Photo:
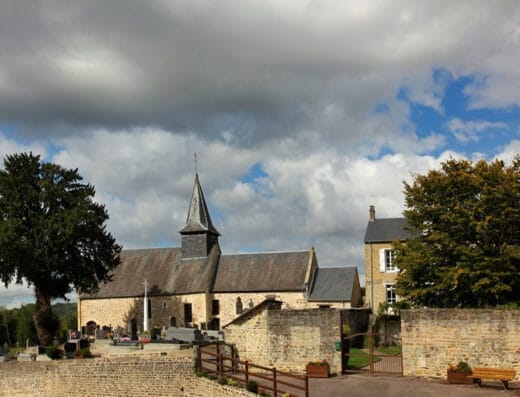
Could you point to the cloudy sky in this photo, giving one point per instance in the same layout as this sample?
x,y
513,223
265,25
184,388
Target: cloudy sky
x,y
302,113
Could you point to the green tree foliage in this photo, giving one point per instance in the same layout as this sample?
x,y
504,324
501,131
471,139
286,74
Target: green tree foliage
x,y
52,234
467,253
24,324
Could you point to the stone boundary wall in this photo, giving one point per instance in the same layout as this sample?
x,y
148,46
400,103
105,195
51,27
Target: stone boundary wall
x,y
434,338
155,375
289,339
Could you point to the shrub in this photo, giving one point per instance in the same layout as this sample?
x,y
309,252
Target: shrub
x,y
85,353
53,352
231,382
198,371
252,386
222,380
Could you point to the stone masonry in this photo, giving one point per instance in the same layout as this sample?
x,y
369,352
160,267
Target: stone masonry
x,y
434,338
131,376
289,339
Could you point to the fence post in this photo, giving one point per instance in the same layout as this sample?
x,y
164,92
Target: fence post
x,y
199,358
274,382
371,352
306,386
247,373
218,359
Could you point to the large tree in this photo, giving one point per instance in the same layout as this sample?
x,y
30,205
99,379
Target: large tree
x,y
467,251
52,234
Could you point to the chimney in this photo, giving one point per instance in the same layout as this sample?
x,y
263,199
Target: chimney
x,y
372,214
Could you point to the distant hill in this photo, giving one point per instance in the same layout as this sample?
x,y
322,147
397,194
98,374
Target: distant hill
x,y
63,310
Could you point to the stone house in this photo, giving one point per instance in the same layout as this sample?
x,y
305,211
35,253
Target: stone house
x,y
196,285
380,269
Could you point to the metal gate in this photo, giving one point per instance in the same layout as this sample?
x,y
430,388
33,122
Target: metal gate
x,y
371,354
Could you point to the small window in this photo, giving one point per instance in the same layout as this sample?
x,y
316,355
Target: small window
x,y
214,307
188,318
391,296
164,305
239,306
149,308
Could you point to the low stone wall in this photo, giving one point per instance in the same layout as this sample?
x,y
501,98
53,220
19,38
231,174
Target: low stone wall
x,y
289,339
146,375
434,338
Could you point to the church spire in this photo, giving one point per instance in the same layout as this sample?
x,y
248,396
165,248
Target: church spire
x,y
198,234
198,219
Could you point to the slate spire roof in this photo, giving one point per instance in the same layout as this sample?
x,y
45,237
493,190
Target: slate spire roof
x,y
198,219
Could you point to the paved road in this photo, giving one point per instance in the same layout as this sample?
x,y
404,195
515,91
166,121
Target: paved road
x,y
368,386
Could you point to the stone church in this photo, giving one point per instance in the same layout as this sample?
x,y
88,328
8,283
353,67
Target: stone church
x,y
196,285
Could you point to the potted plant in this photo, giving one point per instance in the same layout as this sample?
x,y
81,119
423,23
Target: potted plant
x,y
145,337
318,369
460,373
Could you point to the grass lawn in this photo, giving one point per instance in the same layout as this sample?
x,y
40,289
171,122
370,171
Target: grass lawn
x,y
389,350
359,359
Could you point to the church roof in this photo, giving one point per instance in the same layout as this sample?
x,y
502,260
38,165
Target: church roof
x,y
274,271
165,271
387,230
333,284
198,219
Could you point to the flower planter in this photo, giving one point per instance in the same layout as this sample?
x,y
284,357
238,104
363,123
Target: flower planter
x,y
317,371
464,378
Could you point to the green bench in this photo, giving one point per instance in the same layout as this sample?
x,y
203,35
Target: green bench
x,y
503,375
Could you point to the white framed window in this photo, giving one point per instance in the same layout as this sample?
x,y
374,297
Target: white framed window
x,y
391,296
386,261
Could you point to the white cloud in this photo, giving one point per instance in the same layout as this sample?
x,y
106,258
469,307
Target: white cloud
x,y
471,130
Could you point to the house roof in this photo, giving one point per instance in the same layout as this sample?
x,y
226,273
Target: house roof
x,y
165,271
275,271
198,219
387,230
334,284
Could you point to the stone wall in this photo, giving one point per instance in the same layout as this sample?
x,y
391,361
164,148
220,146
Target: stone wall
x,y
289,339
291,300
160,375
434,338
119,311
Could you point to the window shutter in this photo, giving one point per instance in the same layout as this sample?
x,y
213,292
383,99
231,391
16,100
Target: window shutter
x,y
382,264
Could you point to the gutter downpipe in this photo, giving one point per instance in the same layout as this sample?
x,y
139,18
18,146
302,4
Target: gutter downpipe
x,y
371,277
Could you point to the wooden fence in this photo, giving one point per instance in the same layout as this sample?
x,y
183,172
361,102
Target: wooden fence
x,y
267,379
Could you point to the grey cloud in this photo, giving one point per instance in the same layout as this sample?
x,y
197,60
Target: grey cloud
x,y
238,70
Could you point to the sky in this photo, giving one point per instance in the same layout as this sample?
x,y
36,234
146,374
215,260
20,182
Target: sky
x,y
302,113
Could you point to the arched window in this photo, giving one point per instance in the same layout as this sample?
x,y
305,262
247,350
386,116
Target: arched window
x,y
239,306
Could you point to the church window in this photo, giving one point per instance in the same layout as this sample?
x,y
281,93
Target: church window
x,y
188,317
239,306
215,307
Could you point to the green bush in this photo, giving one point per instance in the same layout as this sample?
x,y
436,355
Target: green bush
x,y
252,386
198,371
85,353
53,352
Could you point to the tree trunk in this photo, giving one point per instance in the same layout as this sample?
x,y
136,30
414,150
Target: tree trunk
x,y
45,322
